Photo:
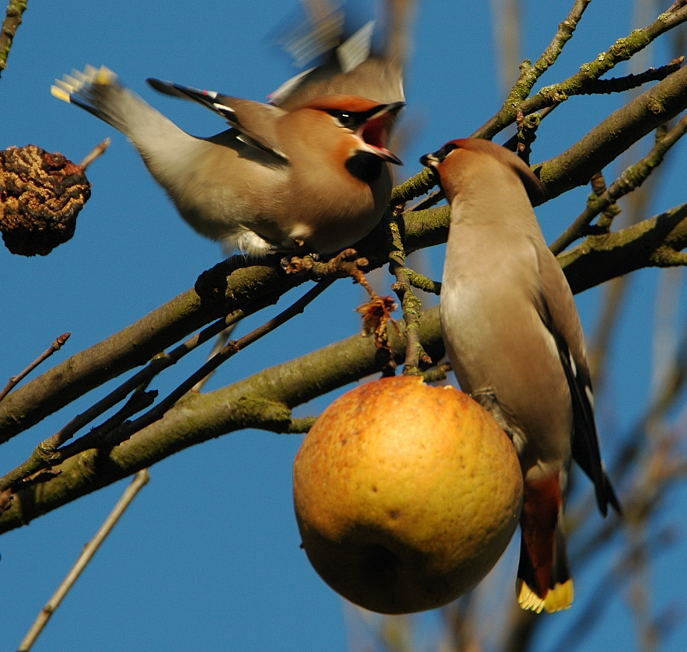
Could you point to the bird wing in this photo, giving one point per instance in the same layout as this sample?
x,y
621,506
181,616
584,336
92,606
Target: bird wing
x,y
558,313
331,75
255,121
346,62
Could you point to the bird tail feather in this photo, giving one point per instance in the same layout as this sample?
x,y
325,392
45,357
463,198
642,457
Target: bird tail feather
x,y
544,581
98,91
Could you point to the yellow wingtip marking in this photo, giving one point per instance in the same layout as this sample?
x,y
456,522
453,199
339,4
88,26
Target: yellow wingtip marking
x,y
558,598
70,81
104,75
60,94
74,82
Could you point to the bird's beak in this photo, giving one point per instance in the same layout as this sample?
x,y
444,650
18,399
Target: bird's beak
x,y
375,130
435,159
430,160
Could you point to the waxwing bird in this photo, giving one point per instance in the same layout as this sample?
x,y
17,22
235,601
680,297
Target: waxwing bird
x,y
310,168
515,342
316,175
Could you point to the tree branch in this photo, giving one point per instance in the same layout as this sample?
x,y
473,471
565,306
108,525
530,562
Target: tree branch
x,y
614,135
652,242
628,82
263,400
139,481
623,49
231,286
239,288
227,287
529,74
56,345
631,178
13,17
576,166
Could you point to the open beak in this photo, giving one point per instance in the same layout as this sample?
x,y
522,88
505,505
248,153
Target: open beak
x,y
375,130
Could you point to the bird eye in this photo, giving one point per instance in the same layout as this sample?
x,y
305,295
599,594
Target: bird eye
x,y
345,118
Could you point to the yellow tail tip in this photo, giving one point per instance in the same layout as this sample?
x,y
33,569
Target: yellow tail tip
x,y
558,598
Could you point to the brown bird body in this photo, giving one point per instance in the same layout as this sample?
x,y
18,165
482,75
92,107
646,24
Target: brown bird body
x,y
515,341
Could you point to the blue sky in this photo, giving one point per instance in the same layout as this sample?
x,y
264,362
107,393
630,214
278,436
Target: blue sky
x,y
208,556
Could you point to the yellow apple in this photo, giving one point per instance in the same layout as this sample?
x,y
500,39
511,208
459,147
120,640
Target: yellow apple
x,y
405,494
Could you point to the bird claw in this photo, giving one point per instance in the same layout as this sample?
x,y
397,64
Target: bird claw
x,y
297,264
345,263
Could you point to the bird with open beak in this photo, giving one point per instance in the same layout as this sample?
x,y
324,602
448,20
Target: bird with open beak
x,y
308,169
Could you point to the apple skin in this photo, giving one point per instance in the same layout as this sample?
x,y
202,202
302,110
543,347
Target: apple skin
x,y
405,494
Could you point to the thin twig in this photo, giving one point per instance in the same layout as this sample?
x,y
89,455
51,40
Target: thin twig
x,y
230,349
345,263
529,74
521,140
411,305
95,153
47,453
15,380
610,212
628,82
139,481
13,16
623,49
422,282
153,368
219,344
45,456
427,202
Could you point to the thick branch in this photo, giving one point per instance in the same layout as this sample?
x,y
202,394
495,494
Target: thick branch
x,y
414,187
265,400
614,135
261,401
630,179
225,288
229,287
652,242
599,147
219,291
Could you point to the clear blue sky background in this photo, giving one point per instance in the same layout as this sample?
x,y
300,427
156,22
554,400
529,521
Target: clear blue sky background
x,y
208,556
